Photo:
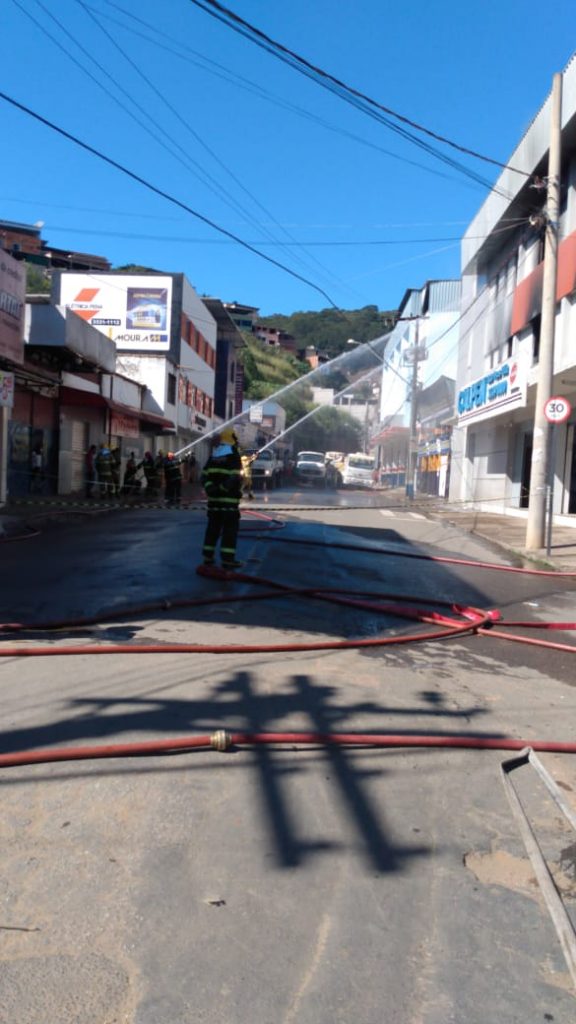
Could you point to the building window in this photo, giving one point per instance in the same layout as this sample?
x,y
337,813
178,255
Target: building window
x,y
232,372
536,324
509,348
512,274
171,393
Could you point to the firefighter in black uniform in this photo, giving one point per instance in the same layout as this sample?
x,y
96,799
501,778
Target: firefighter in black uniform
x,y
104,470
172,479
222,481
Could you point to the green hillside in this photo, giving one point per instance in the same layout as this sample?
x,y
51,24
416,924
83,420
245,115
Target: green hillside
x,y
267,369
329,329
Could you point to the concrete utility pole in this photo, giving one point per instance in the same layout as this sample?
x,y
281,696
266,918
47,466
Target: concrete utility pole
x,y
412,438
539,470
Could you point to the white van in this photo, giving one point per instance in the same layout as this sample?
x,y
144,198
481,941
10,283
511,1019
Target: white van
x,y
358,470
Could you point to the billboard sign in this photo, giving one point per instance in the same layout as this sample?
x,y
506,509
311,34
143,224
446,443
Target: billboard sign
x,y
12,304
132,310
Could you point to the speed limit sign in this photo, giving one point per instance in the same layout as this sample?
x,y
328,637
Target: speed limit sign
x,y
557,409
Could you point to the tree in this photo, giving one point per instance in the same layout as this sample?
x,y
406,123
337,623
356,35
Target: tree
x,y
267,369
329,329
329,430
38,281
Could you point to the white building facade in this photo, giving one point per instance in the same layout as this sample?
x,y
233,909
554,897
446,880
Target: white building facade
x,y
427,327
502,267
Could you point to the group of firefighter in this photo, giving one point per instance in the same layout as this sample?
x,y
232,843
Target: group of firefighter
x,y
226,478
103,471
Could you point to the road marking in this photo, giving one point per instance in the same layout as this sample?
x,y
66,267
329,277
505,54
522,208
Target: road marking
x,y
391,514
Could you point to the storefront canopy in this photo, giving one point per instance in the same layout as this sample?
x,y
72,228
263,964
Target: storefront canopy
x,y
77,397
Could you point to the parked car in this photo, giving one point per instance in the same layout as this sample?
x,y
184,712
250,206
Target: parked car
x,y
311,468
358,470
267,470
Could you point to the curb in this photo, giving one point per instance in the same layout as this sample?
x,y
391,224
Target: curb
x,y
522,558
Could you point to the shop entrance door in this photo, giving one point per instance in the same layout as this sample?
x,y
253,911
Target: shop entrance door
x,y
80,435
526,468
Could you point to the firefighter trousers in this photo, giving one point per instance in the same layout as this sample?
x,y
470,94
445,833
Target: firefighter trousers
x,y
222,523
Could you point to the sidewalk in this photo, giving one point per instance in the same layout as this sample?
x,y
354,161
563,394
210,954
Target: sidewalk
x,y
507,531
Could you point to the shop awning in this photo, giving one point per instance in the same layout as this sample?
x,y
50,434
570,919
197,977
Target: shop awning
x,y
27,375
389,434
77,397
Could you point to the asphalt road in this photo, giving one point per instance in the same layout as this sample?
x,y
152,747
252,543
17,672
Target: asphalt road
x,y
277,886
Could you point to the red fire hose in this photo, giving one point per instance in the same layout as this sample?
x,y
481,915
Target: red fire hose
x,y
456,620
222,740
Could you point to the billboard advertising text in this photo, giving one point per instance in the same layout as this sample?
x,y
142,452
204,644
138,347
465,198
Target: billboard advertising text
x,y
133,310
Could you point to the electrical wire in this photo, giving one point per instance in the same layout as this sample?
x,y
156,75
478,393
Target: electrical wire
x,y
198,138
162,193
179,152
350,95
187,240
183,158
240,81
152,216
256,34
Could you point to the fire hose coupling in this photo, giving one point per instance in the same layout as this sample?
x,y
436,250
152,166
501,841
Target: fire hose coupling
x,y
221,740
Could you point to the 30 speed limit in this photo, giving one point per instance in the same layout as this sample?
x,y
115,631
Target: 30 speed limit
x,y
557,409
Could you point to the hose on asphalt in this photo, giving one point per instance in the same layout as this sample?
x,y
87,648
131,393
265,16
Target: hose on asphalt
x,y
222,741
470,620
454,620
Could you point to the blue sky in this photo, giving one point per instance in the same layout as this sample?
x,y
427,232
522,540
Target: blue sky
x,y
237,151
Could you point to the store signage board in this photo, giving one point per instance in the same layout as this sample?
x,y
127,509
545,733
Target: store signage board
x,y
501,390
256,414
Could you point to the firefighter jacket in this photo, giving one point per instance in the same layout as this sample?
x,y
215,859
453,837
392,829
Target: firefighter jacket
x,y
172,471
104,464
222,479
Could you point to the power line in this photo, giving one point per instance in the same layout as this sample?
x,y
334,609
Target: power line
x,y
192,165
295,57
184,158
150,216
94,16
345,92
240,81
160,192
472,175
186,239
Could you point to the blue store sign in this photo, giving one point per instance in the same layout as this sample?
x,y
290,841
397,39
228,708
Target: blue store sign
x,y
501,389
